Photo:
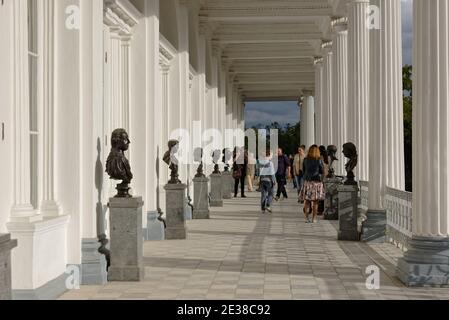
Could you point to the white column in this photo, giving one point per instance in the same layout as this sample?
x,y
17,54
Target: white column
x,y
318,63
327,101
124,80
22,208
426,261
153,103
358,75
386,106
307,119
430,118
340,89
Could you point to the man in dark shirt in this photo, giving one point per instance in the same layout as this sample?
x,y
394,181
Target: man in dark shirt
x,y
282,173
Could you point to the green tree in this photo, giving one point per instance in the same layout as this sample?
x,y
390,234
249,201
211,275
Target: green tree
x,y
408,115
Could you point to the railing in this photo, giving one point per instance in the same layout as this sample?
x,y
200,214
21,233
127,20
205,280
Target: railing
x,y
398,204
399,217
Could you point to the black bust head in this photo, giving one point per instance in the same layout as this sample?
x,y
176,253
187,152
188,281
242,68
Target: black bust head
x,y
350,152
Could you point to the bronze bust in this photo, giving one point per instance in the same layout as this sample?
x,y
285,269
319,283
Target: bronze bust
x,y
350,152
117,166
332,152
198,157
171,160
216,155
227,157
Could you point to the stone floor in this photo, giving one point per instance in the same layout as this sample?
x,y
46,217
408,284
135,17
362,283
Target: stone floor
x,y
241,254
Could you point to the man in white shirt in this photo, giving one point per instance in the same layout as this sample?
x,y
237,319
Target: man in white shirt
x,y
267,182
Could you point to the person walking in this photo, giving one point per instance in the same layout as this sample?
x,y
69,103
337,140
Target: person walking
x,y
239,170
297,166
312,191
251,172
282,174
325,159
267,182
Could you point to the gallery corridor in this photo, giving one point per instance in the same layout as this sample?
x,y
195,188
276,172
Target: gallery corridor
x,y
241,254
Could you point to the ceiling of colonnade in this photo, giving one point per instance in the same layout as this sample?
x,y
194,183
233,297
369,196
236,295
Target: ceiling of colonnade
x,y
270,45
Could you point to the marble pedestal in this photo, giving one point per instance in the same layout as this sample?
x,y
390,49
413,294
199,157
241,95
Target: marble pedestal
x,y
6,245
126,239
176,223
348,213
228,185
155,230
93,263
374,228
201,198
216,192
426,263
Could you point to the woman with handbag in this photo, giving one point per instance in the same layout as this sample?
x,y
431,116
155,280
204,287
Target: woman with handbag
x,y
239,170
312,191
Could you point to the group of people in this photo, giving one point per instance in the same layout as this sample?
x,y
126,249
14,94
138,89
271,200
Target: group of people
x,y
306,169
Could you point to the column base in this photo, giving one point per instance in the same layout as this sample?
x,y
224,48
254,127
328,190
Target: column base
x,y
93,265
426,263
128,273
374,228
201,214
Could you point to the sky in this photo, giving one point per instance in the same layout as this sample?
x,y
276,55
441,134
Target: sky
x,y
265,113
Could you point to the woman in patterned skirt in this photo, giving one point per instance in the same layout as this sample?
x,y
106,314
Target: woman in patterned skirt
x,y
312,191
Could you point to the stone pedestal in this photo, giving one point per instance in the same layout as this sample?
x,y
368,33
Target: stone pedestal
x,y
426,263
201,198
6,245
228,185
216,192
176,222
374,228
93,263
155,230
348,213
126,239
331,203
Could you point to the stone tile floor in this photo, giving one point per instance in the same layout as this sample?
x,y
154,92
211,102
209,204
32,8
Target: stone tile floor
x,y
241,254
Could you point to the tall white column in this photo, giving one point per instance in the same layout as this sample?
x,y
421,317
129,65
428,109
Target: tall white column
x,y
358,75
340,88
318,63
22,208
308,119
386,130
427,258
327,98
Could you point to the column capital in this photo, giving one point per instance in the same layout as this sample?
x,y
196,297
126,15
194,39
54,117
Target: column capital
x,y
308,93
326,46
339,24
318,61
217,49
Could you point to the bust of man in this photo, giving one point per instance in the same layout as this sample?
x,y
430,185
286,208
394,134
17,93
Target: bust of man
x,y
227,156
198,157
171,160
216,155
117,166
350,152
332,152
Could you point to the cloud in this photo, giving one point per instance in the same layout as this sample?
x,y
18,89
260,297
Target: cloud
x,y
265,113
407,31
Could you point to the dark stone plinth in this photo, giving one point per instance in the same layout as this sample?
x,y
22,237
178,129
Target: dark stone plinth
x,y
374,228
176,221
126,240
348,213
6,245
426,263
201,198
331,202
216,192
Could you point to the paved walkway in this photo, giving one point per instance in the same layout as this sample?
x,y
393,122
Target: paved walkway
x,y
241,254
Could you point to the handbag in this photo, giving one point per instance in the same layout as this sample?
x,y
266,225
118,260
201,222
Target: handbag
x,y
237,174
